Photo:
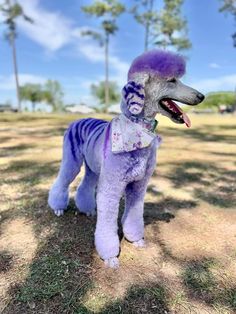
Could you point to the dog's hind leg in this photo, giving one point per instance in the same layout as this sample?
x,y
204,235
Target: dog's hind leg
x,y
70,166
85,197
132,220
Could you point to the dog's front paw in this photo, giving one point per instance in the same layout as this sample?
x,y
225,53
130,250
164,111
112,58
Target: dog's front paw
x,y
112,262
92,213
140,243
58,212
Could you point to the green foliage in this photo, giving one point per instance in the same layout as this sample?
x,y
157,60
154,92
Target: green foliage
x,y
99,92
214,100
164,29
145,15
53,95
229,6
100,8
172,29
108,11
11,13
33,93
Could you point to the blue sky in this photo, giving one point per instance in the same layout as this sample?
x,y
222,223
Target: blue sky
x,y
53,48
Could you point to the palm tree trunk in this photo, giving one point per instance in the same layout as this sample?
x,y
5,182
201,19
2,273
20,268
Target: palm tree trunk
x,y
33,106
16,73
107,72
146,36
147,27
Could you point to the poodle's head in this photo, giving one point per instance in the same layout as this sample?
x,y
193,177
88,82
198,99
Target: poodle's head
x,y
153,85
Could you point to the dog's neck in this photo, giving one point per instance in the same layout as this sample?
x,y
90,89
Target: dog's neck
x,y
149,123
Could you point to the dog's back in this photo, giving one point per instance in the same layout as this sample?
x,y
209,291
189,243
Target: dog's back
x,y
82,136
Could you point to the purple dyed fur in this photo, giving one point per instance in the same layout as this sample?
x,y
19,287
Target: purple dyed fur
x,y
112,175
162,63
109,176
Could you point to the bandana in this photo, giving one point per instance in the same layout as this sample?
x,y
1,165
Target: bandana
x,y
130,135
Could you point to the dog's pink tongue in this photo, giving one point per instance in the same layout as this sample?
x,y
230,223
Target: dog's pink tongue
x,y
176,108
186,120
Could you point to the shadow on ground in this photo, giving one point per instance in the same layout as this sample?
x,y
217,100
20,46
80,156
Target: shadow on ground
x,y
210,183
201,283
62,270
205,134
26,172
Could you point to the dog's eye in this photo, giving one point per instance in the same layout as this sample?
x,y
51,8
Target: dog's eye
x,y
173,80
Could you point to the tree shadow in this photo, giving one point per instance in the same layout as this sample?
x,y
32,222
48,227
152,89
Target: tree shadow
x,y
10,151
210,183
201,284
24,118
151,298
29,172
44,133
4,139
61,271
5,261
202,135
163,210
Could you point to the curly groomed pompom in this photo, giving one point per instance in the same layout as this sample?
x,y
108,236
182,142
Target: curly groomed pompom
x,y
163,63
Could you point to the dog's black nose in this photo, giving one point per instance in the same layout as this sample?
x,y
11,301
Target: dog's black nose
x,y
200,96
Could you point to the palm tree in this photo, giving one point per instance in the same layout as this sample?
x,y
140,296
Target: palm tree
x,y
12,11
109,11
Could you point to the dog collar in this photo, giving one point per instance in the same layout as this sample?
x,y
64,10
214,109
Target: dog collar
x,y
128,135
150,125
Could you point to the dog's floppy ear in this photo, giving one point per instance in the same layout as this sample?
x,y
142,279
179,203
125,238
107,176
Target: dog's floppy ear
x,y
134,97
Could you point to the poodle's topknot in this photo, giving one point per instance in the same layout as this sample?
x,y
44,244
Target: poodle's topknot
x,y
159,62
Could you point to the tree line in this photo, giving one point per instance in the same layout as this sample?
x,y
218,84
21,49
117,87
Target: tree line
x,y
50,93
163,29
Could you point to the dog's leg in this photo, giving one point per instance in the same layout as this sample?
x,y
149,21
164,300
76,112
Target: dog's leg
x,y
59,193
85,196
132,220
106,236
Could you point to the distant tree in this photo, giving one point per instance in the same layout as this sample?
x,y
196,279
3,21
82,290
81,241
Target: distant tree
x,y
11,12
99,92
214,100
33,93
53,95
164,29
146,15
171,31
229,6
108,11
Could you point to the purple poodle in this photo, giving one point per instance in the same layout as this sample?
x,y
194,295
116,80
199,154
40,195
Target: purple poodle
x,y
120,156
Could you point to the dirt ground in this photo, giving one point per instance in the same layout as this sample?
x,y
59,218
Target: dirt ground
x,y
49,264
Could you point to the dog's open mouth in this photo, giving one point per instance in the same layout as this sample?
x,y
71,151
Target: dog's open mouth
x,y
174,111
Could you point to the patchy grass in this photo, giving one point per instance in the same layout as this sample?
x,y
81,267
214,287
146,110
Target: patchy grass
x,y
202,284
49,264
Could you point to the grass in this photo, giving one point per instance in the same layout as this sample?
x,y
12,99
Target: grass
x,y
49,264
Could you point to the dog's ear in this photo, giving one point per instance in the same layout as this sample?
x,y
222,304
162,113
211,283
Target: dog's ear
x,y
134,96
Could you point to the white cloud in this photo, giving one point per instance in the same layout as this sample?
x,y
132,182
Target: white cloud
x,y
227,82
8,82
214,65
51,30
94,53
